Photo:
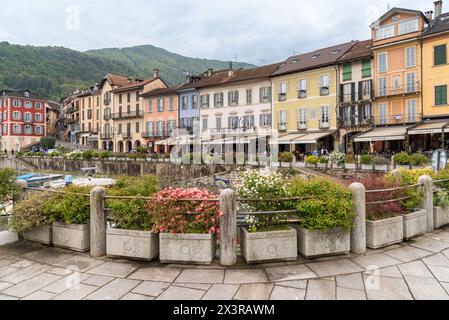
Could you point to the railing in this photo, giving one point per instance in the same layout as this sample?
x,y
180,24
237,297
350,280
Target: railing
x,y
352,98
302,94
105,136
355,121
282,126
233,130
397,119
157,133
324,91
107,102
398,90
126,135
127,115
282,96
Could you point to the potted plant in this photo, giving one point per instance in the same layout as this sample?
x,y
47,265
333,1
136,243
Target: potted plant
x,y
415,220
187,221
286,159
29,219
70,214
312,161
131,235
326,215
441,209
267,236
384,220
338,158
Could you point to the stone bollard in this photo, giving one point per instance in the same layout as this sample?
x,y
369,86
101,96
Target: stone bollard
x,y
393,163
358,232
22,184
98,223
427,202
228,228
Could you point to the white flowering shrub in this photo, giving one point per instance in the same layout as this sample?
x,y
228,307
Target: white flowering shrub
x,y
263,186
338,158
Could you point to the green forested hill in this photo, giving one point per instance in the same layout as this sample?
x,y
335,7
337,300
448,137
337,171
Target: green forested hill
x,y
52,72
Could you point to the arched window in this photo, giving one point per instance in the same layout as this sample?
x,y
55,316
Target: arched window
x,y
38,117
16,115
38,130
17,129
17,103
38,105
28,104
28,129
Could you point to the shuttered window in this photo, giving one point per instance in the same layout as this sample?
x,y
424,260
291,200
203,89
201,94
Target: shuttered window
x,y
439,53
347,72
441,95
366,68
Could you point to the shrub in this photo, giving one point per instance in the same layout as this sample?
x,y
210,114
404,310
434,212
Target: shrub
x,y
312,159
105,155
166,155
28,214
143,150
286,157
381,160
419,159
326,204
323,160
172,215
54,154
48,142
402,158
154,156
338,158
88,154
8,187
442,199
69,208
442,175
135,156
366,159
131,214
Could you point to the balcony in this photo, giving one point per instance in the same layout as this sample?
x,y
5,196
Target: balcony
x,y
239,130
302,94
127,115
28,121
156,134
356,97
282,126
397,119
324,124
72,109
402,90
302,125
126,135
354,121
107,102
282,97
324,91
105,136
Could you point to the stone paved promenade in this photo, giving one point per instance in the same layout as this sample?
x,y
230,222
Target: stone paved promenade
x,y
418,269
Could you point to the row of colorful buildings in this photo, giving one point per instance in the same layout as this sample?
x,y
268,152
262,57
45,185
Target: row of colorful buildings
x,y
385,94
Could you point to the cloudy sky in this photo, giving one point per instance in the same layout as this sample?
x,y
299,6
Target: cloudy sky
x,y
257,31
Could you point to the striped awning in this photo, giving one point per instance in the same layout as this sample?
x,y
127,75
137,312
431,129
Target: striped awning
x,y
383,134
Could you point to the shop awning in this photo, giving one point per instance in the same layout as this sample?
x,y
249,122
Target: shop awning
x,y
383,134
92,138
287,139
429,127
312,138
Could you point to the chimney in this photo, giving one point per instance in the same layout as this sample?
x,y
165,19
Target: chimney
x,y
209,72
429,15
438,8
155,73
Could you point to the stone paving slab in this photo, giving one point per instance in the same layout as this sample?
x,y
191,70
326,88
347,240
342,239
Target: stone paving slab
x,y
351,281
66,283
386,288
179,293
438,260
332,268
426,289
40,295
285,293
221,292
348,294
379,260
114,290
407,254
135,297
241,276
255,291
298,284
415,269
22,264
78,292
97,280
298,272
440,273
201,276
200,286
321,290
113,269
151,288
431,245
155,274
49,255
29,286
5,297
79,263
25,274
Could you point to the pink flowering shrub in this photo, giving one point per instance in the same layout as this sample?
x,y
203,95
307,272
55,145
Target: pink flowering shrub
x,y
171,214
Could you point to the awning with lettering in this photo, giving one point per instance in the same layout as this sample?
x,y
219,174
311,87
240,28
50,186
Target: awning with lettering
x,y
312,138
429,127
383,134
286,139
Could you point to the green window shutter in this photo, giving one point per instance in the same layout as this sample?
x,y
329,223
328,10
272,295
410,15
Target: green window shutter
x,y
437,96
440,95
347,72
366,68
443,94
440,55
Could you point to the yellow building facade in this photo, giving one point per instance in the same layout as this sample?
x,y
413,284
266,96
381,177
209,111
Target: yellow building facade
x,y
304,94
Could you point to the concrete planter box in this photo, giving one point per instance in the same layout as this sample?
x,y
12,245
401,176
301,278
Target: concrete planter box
x,y
367,167
351,166
381,167
384,232
415,224
187,248
269,246
42,234
133,244
286,164
440,216
319,243
71,236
